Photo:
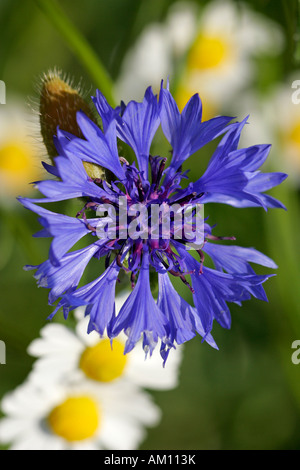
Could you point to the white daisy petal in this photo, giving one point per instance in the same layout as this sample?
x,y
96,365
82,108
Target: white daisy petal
x,y
12,428
34,440
149,372
56,338
121,435
81,331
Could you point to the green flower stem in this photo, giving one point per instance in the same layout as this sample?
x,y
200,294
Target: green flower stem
x,y
282,234
283,231
79,45
297,41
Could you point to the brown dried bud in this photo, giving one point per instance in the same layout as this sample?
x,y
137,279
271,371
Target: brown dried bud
x,y
59,103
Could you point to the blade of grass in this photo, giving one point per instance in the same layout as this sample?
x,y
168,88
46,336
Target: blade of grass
x,y
297,36
79,45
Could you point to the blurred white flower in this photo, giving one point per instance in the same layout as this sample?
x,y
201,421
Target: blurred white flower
x,y
19,151
81,416
282,116
67,355
153,56
275,117
219,59
216,52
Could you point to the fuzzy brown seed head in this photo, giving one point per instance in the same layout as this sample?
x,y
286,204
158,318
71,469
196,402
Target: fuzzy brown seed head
x,y
59,103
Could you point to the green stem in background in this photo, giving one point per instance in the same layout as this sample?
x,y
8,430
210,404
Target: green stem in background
x,y
282,235
291,13
297,46
283,243
79,45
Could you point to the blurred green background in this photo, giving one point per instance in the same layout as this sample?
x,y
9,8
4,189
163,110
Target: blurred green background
x,y
247,394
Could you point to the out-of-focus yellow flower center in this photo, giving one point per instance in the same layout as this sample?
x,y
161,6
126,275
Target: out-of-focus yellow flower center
x,y
183,94
75,419
19,166
15,157
103,362
294,134
207,52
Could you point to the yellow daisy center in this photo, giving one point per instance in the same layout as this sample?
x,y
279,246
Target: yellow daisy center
x,y
294,134
19,166
103,362
15,157
207,52
76,419
183,95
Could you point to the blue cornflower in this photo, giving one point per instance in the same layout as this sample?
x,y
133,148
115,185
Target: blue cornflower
x,y
232,177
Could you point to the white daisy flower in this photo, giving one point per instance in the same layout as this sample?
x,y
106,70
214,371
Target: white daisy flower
x,y
218,48
275,117
281,115
76,417
19,156
155,52
67,355
219,59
